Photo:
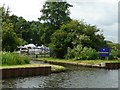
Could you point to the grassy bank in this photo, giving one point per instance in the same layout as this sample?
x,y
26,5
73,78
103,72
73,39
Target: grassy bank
x,y
92,62
54,68
13,60
9,58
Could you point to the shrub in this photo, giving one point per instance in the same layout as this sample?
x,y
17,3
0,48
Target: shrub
x,y
87,54
113,54
90,53
70,53
9,58
82,53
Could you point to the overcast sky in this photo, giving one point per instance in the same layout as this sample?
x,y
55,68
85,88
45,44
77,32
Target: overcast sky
x,y
102,13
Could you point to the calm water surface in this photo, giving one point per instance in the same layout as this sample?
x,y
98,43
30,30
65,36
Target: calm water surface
x,y
75,77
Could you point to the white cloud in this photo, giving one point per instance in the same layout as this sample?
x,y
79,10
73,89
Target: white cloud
x,y
110,1
111,32
98,13
29,9
102,14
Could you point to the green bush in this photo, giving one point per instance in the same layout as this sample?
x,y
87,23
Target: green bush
x,y
86,54
118,54
9,58
70,53
113,54
90,54
82,53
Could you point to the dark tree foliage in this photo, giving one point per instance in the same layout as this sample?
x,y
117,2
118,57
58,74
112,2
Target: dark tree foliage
x,y
54,14
73,34
59,44
10,41
5,13
29,31
35,32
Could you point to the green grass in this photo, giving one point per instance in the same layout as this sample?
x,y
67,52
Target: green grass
x,y
9,58
57,68
54,68
92,62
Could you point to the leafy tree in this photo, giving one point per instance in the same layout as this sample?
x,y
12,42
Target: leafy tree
x,y
58,44
5,13
36,32
54,14
76,34
20,26
10,40
31,32
1,29
64,38
97,40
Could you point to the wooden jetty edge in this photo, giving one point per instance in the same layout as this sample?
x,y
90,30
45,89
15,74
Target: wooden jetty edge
x,y
112,65
24,72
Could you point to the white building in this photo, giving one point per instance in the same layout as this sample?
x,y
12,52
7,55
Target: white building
x,y
32,49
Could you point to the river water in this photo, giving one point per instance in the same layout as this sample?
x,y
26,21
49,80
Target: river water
x,y
74,77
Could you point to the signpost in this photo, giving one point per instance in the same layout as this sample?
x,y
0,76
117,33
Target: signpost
x,y
104,52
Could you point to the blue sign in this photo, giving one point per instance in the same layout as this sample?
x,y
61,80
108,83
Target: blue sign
x,y
104,52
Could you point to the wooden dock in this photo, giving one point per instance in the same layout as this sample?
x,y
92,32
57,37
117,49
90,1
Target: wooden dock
x,y
112,65
24,72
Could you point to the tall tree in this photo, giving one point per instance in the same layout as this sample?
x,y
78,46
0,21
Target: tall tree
x,y
54,14
73,34
36,32
30,31
10,41
5,13
1,28
21,27
59,44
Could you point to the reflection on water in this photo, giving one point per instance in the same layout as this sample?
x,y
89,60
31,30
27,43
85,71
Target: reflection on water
x,y
75,77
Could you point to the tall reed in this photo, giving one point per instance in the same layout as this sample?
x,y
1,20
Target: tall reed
x,y
9,58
